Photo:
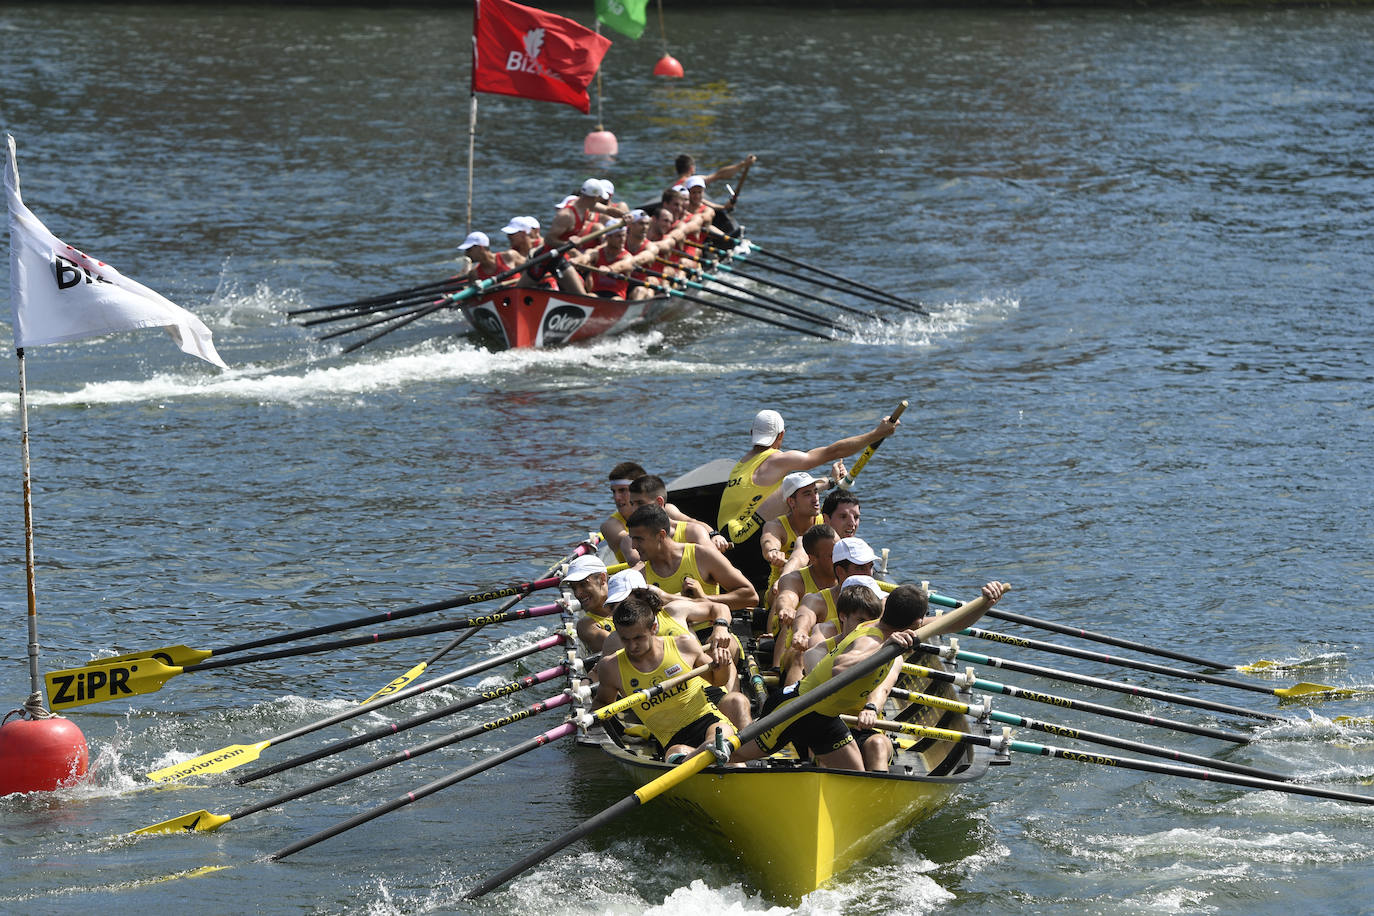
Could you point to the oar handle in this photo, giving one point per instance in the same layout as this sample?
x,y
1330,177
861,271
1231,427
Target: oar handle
x,y
848,480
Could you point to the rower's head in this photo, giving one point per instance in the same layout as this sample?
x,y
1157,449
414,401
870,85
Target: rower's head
x,y
819,543
621,476
518,233
532,227
607,190
475,245
852,557
636,622
696,191
858,602
649,528
905,606
685,165
591,191
841,512
663,220
649,490
586,579
802,493
767,429
615,242
674,201
619,586
637,226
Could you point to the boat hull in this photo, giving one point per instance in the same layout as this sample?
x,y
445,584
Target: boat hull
x,y
527,317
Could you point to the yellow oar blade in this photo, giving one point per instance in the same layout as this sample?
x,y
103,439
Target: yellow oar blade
x,y
177,656
1354,720
1307,690
195,822
109,681
1264,664
226,758
397,684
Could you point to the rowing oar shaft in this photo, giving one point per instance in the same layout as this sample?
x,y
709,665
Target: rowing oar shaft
x,y
1104,684
435,286
236,755
742,313
1127,763
386,731
789,310
1079,734
813,297
699,761
542,610
1050,699
752,297
1297,690
848,480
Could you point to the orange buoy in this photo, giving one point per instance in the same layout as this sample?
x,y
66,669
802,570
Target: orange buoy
x,y
39,755
600,143
668,66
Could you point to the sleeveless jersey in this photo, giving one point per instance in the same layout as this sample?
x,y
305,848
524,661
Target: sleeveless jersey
x,y
688,567
789,544
742,495
669,712
851,698
604,283
486,273
616,516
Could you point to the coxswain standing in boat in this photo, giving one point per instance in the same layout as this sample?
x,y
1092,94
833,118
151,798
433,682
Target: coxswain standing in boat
x,y
819,731
686,167
752,493
818,574
683,717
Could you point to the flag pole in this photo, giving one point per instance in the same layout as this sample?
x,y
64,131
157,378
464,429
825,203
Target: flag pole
x,y
34,704
472,111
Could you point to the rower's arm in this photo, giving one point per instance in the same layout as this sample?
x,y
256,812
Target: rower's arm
x,y
848,446
730,171
608,680
736,592
770,543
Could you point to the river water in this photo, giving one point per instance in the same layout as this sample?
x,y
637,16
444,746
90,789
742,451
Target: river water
x,y
1144,397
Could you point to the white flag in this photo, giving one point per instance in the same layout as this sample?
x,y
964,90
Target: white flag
x,y
61,294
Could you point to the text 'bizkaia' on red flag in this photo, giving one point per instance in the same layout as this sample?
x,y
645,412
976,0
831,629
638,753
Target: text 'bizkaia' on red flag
x,y
61,294
518,50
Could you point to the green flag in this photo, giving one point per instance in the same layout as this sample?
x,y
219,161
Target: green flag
x,y
625,16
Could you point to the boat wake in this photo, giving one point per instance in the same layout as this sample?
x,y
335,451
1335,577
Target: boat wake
x,y
943,322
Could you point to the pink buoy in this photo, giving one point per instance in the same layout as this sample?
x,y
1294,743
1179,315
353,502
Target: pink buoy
x,y
668,66
600,143
40,755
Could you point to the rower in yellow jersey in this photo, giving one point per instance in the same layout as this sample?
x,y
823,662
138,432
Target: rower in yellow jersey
x,y
681,719
818,730
818,574
696,571
778,541
751,493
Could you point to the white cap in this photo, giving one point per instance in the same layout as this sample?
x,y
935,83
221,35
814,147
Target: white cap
x,y
607,189
592,187
681,189
622,583
853,550
868,581
568,201
696,181
529,222
517,224
582,567
795,481
636,216
767,425
475,238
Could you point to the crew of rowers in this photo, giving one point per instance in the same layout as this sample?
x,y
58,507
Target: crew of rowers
x,y
616,252
667,606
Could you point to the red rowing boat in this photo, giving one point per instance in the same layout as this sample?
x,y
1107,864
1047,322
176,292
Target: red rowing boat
x,y
529,317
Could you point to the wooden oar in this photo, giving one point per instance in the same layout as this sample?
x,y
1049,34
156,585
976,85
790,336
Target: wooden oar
x,y
1297,690
1005,742
395,728
562,731
1101,683
790,311
181,656
236,755
382,297
101,683
850,285
967,680
848,480
700,760
1079,734
1067,630
204,821
553,574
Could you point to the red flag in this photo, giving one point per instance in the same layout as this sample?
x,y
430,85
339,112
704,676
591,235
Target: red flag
x,y
522,51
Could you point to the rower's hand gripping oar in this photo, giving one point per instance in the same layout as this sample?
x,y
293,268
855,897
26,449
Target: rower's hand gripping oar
x,y
848,480
890,650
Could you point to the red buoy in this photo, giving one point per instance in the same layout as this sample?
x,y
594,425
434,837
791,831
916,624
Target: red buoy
x,y
39,755
668,66
600,143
